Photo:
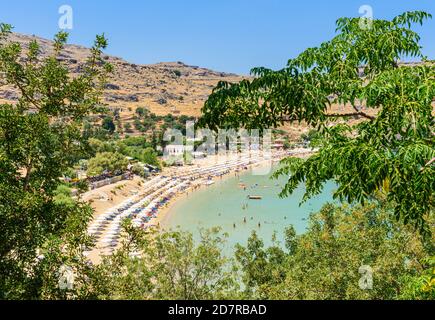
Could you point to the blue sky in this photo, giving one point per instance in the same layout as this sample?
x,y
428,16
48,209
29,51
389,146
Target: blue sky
x,y
225,35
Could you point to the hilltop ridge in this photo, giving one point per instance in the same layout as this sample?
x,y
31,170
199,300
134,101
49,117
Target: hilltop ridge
x,y
162,88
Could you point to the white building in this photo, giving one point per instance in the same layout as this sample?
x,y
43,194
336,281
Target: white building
x,y
176,150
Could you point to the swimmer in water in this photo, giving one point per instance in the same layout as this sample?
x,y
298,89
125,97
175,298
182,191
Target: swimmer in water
x,y
234,225
259,225
244,219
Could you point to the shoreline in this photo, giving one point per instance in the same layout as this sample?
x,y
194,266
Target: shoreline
x,y
164,213
152,205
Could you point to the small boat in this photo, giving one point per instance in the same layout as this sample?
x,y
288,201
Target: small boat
x,y
255,197
209,183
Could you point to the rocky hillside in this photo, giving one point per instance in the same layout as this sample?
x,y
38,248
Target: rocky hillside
x,y
163,88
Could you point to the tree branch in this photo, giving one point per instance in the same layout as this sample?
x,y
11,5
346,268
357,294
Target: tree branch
x,y
26,96
363,114
333,115
428,164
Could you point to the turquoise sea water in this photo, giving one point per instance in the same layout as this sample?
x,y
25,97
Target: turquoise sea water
x,y
226,204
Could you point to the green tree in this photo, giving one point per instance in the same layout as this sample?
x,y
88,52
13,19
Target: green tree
x,y
391,148
325,261
127,127
138,125
421,286
313,137
149,156
98,146
108,124
63,196
107,161
40,138
139,170
170,265
141,112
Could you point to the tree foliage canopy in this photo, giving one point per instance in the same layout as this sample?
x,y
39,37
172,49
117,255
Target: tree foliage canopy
x,y
324,262
40,138
171,265
391,148
107,161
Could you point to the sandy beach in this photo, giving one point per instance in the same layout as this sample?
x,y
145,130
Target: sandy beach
x,y
148,202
